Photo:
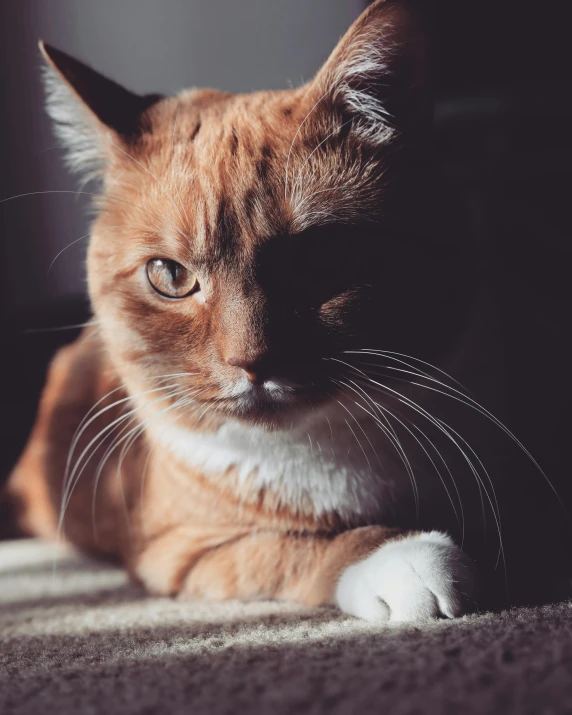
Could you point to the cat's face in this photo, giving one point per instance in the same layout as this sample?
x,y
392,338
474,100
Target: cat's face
x,y
244,242
233,272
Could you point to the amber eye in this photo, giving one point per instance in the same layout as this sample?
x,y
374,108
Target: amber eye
x,y
170,278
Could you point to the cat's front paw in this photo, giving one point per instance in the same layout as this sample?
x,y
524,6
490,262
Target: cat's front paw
x,y
412,579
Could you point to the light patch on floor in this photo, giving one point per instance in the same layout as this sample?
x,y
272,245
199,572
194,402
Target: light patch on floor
x,y
82,639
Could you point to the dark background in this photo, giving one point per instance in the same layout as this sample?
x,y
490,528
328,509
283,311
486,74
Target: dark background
x,y
503,118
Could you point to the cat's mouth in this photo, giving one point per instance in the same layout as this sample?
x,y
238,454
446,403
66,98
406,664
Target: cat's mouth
x,y
272,401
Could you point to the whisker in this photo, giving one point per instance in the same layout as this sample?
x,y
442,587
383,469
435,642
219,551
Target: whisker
x,y
77,240
390,354
84,424
473,404
61,327
143,482
444,428
122,431
331,436
394,440
363,431
433,420
483,411
81,238
447,430
460,521
127,440
359,443
144,476
146,465
79,431
76,473
77,193
71,479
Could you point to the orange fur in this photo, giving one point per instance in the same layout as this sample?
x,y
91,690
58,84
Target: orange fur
x,y
266,197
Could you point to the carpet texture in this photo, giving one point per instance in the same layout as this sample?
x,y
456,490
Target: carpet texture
x,y
81,639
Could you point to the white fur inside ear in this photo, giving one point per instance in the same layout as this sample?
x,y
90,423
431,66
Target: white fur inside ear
x,y
413,579
73,127
356,86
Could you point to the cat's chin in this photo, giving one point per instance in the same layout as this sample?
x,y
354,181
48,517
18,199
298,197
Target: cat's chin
x,y
270,407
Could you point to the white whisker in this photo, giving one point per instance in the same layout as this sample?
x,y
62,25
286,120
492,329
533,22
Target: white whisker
x,y
447,430
62,327
384,409
82,425
468,401
75,475
127,440
362,430
394,440
77,193
81,238
87,420
390,354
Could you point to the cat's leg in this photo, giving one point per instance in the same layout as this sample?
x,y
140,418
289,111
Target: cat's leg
x,y
370,572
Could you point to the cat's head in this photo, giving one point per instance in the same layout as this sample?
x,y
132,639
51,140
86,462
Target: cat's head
x,y
244,242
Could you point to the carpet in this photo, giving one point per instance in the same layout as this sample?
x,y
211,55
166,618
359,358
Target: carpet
x,y
78,638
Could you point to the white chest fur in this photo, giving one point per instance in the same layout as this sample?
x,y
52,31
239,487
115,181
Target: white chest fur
x,y
318,467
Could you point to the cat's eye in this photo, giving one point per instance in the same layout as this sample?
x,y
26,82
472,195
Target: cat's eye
x,y
170,279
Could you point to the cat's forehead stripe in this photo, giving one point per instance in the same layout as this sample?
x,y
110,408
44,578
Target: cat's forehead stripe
x,y
240,170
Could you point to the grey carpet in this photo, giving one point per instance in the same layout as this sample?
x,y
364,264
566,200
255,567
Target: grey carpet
x,y
80,639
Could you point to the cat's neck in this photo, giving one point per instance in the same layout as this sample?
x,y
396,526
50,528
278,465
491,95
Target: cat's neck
x,y
319,466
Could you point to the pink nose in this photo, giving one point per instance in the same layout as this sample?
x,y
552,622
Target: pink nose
x,y
250,367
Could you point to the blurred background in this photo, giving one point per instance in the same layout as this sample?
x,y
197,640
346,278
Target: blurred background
x,y
503,118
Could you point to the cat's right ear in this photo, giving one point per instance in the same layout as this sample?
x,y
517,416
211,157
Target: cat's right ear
x,y
90,111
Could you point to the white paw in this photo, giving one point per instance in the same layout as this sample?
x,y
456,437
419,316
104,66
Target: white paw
x,y
411,579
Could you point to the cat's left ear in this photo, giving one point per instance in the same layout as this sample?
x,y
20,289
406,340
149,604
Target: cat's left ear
x,y
88,109
379,74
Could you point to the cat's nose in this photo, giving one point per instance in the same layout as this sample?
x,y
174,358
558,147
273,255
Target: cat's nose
x,y
252,368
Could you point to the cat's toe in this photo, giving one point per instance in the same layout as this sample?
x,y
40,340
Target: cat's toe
x,y
413,579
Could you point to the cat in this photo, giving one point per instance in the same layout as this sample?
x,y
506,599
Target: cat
x,y
279,294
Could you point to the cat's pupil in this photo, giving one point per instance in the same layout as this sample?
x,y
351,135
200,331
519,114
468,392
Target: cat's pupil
x,y
175,271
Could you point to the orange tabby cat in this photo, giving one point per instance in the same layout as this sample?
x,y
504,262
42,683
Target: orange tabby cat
x,y
212,428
